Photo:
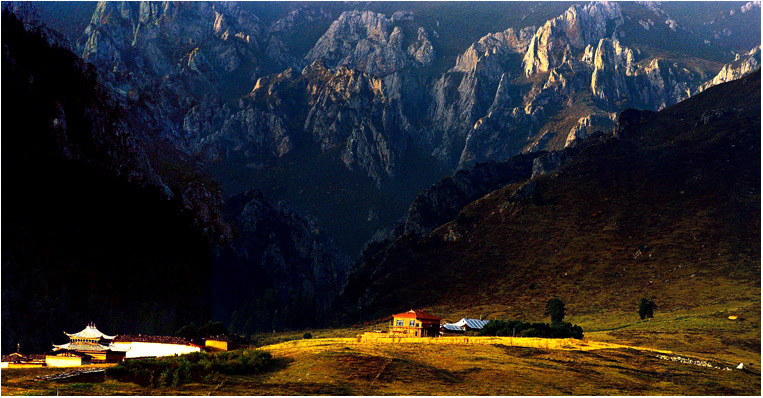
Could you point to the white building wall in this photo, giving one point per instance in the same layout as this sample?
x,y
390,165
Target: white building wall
x,y
142,349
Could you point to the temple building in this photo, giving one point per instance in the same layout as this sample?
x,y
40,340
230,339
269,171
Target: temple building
x,y
414,323
90,342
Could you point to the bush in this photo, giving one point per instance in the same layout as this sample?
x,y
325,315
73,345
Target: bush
x,y
307,335
197,367
646,308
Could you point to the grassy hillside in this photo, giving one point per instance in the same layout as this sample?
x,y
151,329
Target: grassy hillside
x,y
346,367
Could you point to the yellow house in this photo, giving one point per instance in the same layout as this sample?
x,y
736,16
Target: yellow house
x,y
414,323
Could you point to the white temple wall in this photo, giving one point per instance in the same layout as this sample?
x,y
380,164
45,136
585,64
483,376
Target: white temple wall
x,y
143,349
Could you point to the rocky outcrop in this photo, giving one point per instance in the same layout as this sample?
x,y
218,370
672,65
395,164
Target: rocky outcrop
x,y
372,43
123,37
358,114
578,27
476,85
489,52
744,64
300,15
485,115
617,78
612,64
589,124
164,58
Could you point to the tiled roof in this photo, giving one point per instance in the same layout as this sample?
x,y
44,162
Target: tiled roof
x,y
90,332
89,347
126,338
417,314
452,327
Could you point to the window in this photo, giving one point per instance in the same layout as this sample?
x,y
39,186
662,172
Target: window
x,y
412,323
399,322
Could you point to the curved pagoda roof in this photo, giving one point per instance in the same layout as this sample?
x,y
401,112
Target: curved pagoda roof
x,y
90,332
89,347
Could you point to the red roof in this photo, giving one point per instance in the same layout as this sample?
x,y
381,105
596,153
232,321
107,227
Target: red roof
x,y
417,314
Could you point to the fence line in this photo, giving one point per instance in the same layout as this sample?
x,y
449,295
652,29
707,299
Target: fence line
x,y
529,342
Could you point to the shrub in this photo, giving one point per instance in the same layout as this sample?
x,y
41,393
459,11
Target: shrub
x,y
558,330
307,335
197,366
646,308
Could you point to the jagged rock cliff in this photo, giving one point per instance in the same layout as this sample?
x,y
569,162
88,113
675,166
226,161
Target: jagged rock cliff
x,y
572,31
353,112
486,111
373,43
744,64
155,37
218,83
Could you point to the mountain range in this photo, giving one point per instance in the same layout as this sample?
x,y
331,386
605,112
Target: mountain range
x,y
297,136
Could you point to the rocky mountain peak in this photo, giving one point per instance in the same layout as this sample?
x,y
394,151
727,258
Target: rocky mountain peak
x,y
148,36
578,27
371,42
494,44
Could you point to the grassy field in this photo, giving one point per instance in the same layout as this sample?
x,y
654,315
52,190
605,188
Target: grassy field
x,y
335,363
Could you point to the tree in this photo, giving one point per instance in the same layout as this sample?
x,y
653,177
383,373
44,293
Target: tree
x,y
555,309
646,308
235,323
307,335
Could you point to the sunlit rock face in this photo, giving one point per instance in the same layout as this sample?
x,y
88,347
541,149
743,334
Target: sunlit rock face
x,y
372,43
744,64
600,121
578,27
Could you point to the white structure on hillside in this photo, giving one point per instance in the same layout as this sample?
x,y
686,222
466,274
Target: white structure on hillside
x,y
464,325
155,346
